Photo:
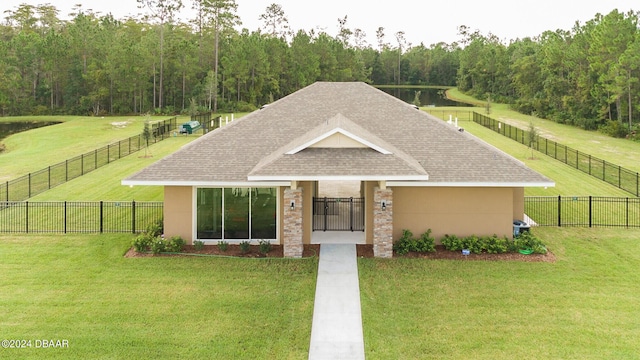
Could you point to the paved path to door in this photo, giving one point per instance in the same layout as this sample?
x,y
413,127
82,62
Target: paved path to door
x,y
336,331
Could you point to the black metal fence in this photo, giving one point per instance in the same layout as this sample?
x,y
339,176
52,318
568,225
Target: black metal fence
x,y
338,214
208,122
40,181
461,115
78,216
613,174
329,214
583,211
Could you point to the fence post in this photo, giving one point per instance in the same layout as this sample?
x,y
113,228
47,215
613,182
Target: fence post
x,y
26,216
133,216
590,211
559,210
627,212
65,217
101,216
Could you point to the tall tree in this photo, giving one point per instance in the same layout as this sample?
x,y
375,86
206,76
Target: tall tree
x,y
220,15
275,23
163,11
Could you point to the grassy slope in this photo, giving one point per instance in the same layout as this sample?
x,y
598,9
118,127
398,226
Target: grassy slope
x,y
618,151
584,306
80,288
36,149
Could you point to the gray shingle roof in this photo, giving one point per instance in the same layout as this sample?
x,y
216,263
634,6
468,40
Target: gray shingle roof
x,y
421,146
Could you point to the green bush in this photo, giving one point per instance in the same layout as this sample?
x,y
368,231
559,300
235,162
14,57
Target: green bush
x,y
155,228
158,245
175,244
407,243
198,245
265,246
245,246
495,245
452,242
142,243
223,245
526,240
615,129
473,243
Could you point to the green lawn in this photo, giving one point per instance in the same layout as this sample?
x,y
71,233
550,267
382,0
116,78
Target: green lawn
x,y
104,183
584,306
80,288
36,149
617,151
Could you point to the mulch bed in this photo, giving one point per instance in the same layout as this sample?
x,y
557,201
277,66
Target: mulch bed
x,y
364,251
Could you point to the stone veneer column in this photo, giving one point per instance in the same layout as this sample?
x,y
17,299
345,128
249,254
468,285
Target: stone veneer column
x,y
382,223
292,223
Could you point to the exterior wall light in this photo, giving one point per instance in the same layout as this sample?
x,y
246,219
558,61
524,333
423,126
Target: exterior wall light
x,y
293,205
383,204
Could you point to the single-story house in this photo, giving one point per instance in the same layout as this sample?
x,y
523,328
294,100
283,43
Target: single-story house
x,y
257,178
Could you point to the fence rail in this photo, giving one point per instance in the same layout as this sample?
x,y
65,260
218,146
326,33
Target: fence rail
x,y
78,216
134,217
42,180
583,211
613,174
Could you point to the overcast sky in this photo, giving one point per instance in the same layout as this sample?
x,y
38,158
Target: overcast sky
x,y
422,21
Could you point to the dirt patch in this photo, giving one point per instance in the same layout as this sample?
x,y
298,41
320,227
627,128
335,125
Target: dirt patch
x,y
363,251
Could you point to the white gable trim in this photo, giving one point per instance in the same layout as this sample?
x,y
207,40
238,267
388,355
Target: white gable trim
x,y
343,132
468,184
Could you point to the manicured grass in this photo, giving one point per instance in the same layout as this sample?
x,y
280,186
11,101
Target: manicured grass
x,y
617,151
104,183
36,149
584,306
80,288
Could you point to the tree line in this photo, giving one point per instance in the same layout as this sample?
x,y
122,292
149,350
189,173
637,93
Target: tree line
x,y
96,64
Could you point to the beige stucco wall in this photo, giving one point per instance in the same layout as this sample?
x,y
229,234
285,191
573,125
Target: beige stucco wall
x,y
178,209
518,203
459,211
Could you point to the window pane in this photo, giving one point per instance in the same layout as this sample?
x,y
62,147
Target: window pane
x,y
209,209
263,213
236,217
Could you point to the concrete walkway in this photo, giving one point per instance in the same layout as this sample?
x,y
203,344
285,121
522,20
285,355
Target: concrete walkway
x,y
336,331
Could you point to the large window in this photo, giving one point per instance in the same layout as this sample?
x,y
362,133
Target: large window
x,y
236,213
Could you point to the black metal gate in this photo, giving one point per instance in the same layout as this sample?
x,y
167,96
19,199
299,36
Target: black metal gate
x,y
338,214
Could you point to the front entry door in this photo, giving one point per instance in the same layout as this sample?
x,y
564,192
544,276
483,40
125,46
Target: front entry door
x,y
338,214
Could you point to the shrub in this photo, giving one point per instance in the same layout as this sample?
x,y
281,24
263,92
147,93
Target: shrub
x,y
175,244
244,246
223,245
142,243
404,244
526,240
198,245
452,242
407,243
265,246
158,245
426,243
155,228
495,245
615,129
473,243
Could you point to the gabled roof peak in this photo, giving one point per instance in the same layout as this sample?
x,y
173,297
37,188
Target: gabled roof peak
x,y
339,124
